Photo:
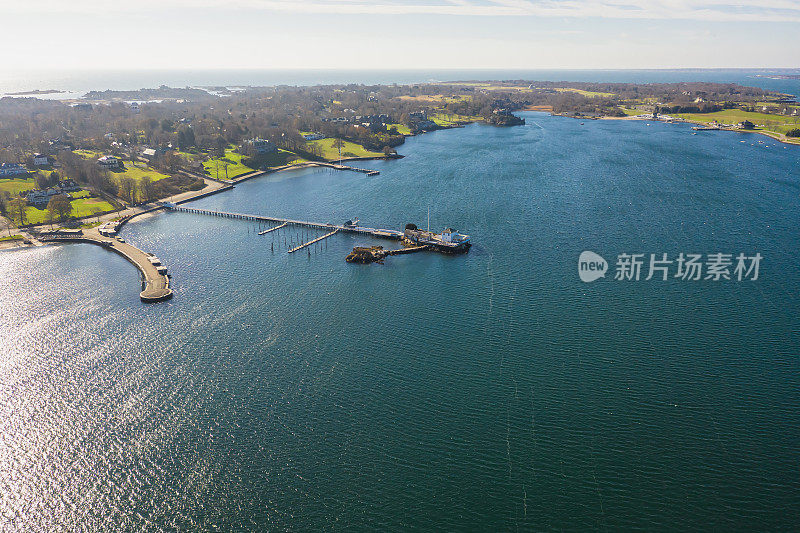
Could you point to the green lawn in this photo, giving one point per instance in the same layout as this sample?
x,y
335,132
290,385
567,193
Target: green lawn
x,y
330,153
89,154
138,171
84,207
11,238
81,207
632,112
192,156
14,186
588,94
236,168
446,119
775,123
401,128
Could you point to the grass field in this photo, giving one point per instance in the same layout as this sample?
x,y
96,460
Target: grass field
x,y
436,98
84,207
348,150
775,123
88,154
401,128
235,166
588,94
14,186
446,119
81,207
11,238
137,172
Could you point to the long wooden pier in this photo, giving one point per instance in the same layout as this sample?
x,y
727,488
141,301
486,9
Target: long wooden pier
x,y
335,166
309,243
375,232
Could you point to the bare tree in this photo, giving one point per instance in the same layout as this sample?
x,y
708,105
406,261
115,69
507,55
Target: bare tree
x,y
339,144
60,205
146,190
127,188
16,209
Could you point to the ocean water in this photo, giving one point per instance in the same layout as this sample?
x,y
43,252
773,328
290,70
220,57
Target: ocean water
x,y
76,83
490,391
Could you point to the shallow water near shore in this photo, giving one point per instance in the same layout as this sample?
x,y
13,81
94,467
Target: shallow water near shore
x,y
488,391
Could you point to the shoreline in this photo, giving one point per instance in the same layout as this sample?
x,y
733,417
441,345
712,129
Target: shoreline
x,y
772,135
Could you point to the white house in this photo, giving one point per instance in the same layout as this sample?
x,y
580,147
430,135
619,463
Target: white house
x,y
40,160
108,161
40,198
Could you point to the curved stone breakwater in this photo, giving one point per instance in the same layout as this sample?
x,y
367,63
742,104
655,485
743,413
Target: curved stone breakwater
x,y
156,282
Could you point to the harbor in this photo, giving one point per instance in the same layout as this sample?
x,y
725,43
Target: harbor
x,y
155,280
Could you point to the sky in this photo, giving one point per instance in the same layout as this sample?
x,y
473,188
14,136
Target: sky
x,y
389,34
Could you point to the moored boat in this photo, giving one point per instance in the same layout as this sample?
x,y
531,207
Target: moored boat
x,y
448,241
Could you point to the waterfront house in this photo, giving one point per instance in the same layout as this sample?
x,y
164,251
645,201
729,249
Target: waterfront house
x,y
262,146
11,169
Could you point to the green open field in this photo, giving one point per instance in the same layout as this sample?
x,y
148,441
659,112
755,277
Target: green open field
x,y
446,119
436,98
81,207
588,94
137,172
14,186
11,238
348,150
632,112
192,155
401,128
775,123
236,168
89,154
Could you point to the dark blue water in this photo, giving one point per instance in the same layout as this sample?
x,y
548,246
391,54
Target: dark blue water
x,y
78,82
490,391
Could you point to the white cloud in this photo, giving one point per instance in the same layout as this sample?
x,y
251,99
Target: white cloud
x,y
705,10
